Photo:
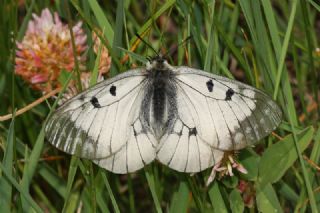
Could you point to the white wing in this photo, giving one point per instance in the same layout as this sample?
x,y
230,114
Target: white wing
x,y
216,114
229,115
182,148
103,124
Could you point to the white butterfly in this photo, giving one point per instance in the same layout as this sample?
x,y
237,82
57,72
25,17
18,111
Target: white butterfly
x,y
183,117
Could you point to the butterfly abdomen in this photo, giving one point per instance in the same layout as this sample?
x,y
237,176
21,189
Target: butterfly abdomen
x,y
160,100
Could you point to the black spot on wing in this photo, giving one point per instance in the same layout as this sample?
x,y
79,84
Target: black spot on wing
x,y
94,101
113,90
210,85
229,94
193,131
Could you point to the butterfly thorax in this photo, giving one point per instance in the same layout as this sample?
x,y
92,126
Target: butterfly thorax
x,y
160,97
158,63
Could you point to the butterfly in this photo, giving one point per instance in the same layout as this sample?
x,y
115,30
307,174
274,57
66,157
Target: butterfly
x,y
183,117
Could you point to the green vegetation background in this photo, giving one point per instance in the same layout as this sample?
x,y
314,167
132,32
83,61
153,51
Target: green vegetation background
x,y
273,45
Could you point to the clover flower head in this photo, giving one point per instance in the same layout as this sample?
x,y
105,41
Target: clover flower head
x,y
105,59
46,49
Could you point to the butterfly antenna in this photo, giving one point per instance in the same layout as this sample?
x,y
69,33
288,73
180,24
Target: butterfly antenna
x,y
146,43
174,49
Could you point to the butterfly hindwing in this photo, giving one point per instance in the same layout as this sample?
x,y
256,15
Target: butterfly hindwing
x,y
138,151
229,114
182,148
102,124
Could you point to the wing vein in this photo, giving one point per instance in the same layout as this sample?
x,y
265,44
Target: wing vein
x,y
199,158
144,163
238,122
115,119
231,137
247,118
187,161
175,149
255,118
215,128
133,89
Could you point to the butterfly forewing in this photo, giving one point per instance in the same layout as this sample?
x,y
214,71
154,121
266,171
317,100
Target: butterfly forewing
x,y
99,124
230,115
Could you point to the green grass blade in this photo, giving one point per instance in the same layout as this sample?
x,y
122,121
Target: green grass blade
x,y
216,199
95,71
32,161
117,41
311,44
317,6
236,204
280,156
96,30
102,21
113,200
71,176
267,200
315,154
304,171
131,195
288,192
44,169
189,45
73,202
154,17
7,162
197,195
89,194
31,166
180,199
286,90
20,189
102,200
44,199
152,187
230,45
52,178
135,56
210,47
26,19
285,47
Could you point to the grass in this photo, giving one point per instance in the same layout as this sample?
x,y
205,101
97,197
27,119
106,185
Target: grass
x,y
267,44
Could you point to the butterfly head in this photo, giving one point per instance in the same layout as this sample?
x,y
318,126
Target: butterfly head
x,y
158,62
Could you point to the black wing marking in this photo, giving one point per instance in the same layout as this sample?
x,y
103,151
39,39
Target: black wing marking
x,y
239,114
79,127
